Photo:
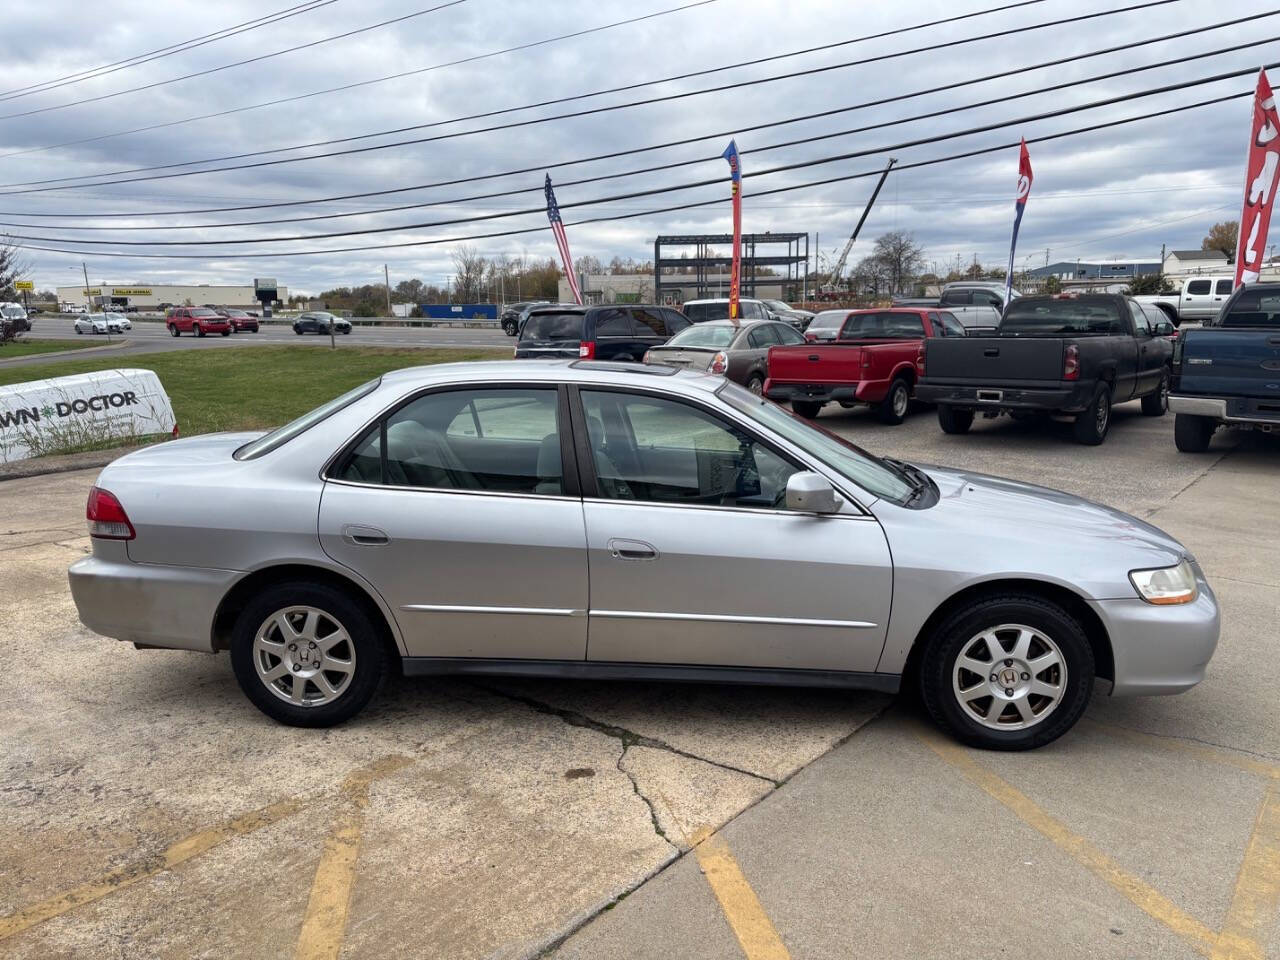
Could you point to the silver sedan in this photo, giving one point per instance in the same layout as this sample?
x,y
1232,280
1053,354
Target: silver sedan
x,y
603,520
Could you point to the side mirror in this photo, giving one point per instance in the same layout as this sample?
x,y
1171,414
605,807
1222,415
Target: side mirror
x,y
809,492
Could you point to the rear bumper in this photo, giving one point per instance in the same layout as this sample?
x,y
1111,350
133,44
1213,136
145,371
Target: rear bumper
x,y
1067,397
1160,649
811,392
1235,410
147,603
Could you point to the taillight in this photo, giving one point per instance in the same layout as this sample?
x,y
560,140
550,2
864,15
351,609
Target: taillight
x,y
1071,363
587,350
810,338
647,357
920,360
107,519
719,363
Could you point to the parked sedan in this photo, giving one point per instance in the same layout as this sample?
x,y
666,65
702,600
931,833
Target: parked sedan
x,y
121,320
740,350
485,518
240,321
318,322
98,323
795,316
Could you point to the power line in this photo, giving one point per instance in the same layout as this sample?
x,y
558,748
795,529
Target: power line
x,y
1181,60
364,83
238,63
932,48
668,209
180,47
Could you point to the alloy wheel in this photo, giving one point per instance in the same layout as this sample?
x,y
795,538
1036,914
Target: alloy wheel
x,y
1010,677
304,656
901,399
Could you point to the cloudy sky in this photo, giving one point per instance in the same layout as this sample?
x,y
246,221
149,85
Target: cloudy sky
x,y
1121,191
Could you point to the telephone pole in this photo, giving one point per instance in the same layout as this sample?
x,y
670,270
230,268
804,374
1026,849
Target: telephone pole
x,y
386,278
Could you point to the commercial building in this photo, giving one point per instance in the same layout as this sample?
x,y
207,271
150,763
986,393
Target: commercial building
x,y
1190,263
150,296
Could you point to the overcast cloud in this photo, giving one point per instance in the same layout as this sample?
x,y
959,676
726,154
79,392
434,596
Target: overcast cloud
x,y
1118,192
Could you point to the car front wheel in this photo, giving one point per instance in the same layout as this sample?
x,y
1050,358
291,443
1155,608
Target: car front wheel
x,y
1010,672
173,331
307,654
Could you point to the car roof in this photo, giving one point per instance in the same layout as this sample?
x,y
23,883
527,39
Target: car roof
x,y
740,322
725,300
594,372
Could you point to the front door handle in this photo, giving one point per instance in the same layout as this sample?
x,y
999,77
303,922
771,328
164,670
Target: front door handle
x,y
632,550
362,536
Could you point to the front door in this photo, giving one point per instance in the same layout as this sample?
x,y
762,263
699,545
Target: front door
x,y
456,508
694,559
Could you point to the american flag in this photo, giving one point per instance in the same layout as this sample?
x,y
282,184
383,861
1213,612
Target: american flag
x,y
557,227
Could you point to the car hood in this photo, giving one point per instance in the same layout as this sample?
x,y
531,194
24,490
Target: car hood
x,y
992,527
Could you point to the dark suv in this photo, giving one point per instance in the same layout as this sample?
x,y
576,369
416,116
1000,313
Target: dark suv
x,y
318,322
510,318
617,332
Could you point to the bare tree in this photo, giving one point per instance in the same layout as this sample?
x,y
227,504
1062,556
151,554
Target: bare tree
x,y
901,259
469,274
13,267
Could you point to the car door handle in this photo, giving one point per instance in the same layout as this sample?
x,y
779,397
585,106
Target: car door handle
x,y
632,550
362,536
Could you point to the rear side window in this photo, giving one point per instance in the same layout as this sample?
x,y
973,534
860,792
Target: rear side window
x,y
1198,287
986,298
1224,286
955,298
953,326
650,323
614,323
761,336
676,321
701,312
903,325
552,326
786,334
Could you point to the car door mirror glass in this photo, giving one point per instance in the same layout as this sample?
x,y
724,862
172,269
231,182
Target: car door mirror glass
x,y
809,492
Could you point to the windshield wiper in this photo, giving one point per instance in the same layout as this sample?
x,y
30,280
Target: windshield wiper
x,y
914,475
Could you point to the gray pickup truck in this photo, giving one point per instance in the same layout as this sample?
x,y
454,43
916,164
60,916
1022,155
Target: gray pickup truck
x,y
1075,355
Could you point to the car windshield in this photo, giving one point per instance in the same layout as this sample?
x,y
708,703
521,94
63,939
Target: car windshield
x,y
1082,316
282,435
1254,308
704,335
777,306
827,320
12,312
711,310
553,325
868,472
204,313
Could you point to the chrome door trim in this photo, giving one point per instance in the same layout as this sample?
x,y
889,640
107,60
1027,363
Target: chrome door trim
x,y
514,611
454,490
726,618
750,511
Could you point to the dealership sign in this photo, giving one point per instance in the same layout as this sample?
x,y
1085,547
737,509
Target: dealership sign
x,y
50,416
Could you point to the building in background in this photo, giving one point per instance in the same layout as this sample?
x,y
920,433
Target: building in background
x,y
676,289
1092,271
1191,263
146,296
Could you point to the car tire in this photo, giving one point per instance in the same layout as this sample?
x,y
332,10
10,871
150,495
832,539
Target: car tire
x,y
198,330
509,328
79,332
1191,434
1155,404
893,408
1092,425
254,660
954,421
806,408
346,332
1044,704
174,331
755,383
226,333
298,331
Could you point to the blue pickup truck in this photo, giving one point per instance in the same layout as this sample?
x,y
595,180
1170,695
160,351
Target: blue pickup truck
x,y
1227,373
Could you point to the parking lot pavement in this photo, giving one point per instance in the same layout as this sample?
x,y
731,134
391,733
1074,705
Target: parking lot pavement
x,y
148,811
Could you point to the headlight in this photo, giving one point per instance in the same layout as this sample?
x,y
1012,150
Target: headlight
x,y
1166,585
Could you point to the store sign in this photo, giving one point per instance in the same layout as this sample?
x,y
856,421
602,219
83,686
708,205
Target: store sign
x,y
50,416
131,291
26,285
90,291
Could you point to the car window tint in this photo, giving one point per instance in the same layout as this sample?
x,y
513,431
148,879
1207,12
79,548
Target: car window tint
x,y
953,326
663,451
1224,286
649,323
762,336
955,298
614,323
903,325
552,326
987,299
1199,287
504,440
788,334
676,321
862,325
1140,322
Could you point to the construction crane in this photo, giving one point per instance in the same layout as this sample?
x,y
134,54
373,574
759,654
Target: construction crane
x,y
838,269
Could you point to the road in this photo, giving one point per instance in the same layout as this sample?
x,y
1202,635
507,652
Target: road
x,y
148,811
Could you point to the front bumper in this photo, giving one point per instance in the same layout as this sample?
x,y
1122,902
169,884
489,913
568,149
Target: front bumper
x,y
148,603
1070,398
1234,410
1160,649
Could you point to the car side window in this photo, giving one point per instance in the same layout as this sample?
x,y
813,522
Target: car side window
x,y
649,323
504,440
1140,322
987,299
1224,286
676,321
1198,287
614,323
953,326
788,335
903,325
663,451
955,298
762,336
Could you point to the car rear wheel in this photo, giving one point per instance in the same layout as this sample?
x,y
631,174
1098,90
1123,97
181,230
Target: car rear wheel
x,y
1155,404
893,408
1191,434
226,333
755,384
806,408
1092,425
1008,672
307,654
952,420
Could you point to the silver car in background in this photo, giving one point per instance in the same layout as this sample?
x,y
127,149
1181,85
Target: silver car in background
x,y
579,519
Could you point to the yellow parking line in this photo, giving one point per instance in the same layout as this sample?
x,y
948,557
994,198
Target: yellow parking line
x,y
130,874
1133,888
325,922
1257,892
1224,757
751,925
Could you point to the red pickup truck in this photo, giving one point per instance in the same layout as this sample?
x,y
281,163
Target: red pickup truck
x,y
874,359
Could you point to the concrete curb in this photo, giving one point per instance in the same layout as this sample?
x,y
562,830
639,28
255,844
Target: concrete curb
x,y
42,466
59,354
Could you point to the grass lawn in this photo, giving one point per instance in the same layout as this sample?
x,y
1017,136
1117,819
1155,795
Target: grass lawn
x,y
256,388
26,347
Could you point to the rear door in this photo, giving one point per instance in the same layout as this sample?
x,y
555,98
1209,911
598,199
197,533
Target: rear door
x,y
616,334
1197,300
1152,351
552,333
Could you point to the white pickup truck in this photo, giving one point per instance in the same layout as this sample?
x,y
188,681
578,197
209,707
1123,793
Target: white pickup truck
x,y
1199,300
977,304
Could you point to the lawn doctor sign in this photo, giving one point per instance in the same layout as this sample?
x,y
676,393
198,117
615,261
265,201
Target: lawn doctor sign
x,y
51,416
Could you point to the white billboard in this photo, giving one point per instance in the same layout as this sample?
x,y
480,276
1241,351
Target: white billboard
x,y
70,413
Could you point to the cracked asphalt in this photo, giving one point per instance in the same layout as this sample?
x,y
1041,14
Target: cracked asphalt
x,y
146,810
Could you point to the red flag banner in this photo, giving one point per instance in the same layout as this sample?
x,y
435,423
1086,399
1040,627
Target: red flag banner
x,y
1259,183
735,179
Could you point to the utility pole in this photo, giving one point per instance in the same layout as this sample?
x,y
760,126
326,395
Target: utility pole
x,y
386,278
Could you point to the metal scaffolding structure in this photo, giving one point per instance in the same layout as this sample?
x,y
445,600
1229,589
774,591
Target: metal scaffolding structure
x,y
709,268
